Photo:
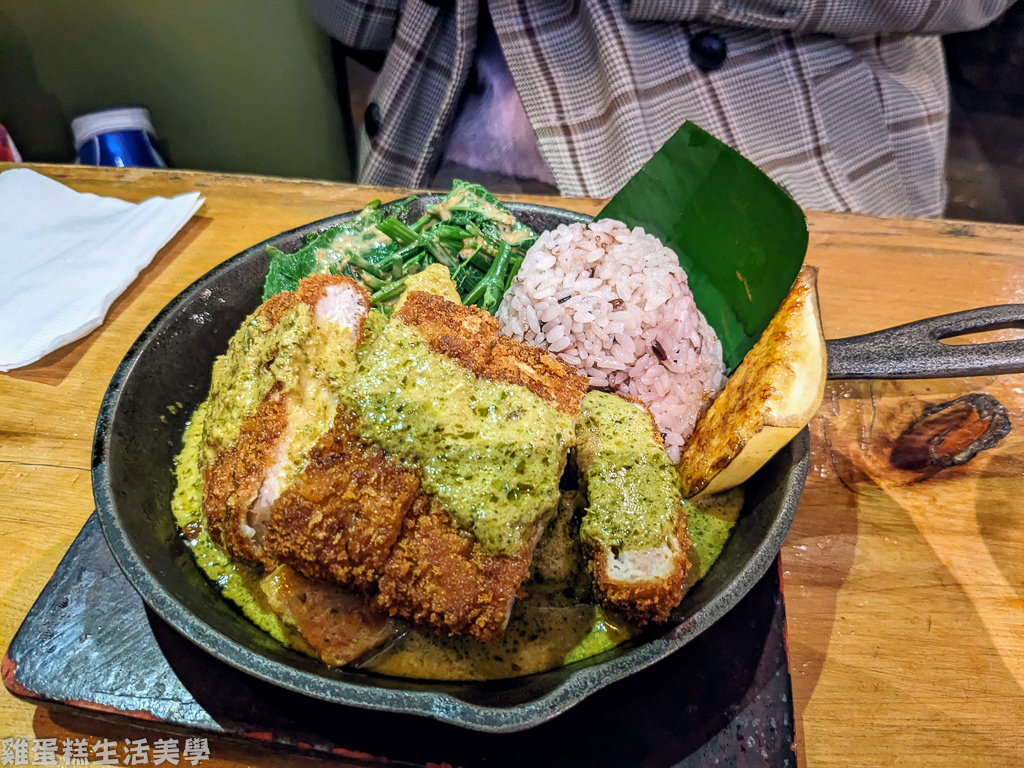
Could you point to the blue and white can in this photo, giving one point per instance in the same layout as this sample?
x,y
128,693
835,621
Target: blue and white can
x,y
122,138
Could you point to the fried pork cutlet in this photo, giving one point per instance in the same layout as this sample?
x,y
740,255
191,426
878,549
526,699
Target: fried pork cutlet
x,y
360,518
431,482
338,624
634,526
234,479
470,335
341,517
489,422
273,394
440,578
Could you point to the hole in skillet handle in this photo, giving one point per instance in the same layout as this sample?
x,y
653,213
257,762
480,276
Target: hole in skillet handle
x,y
984,337
917,351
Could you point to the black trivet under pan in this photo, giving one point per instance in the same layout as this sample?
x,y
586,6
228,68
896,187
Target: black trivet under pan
x,y
90,642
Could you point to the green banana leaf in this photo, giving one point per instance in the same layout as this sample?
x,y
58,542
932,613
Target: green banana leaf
x,y
740,237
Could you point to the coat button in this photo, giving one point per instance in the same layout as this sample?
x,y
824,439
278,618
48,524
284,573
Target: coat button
x,y
707,51
371,120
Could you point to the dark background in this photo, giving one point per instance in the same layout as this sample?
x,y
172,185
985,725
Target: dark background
x,y
985,163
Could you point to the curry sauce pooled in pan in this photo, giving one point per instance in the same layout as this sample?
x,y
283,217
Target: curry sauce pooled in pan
x,y
391,483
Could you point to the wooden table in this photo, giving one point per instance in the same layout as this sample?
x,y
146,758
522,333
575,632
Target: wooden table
x,y
905,599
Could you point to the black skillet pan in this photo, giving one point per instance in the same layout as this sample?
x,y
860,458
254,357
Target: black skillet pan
x,y
166,374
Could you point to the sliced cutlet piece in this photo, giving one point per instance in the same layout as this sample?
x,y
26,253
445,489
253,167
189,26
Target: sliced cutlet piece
x,y
466,334
439,578
275,345
470,335
489,423
634,527
232,481
357,517
339,306
341,516
274,393
338,624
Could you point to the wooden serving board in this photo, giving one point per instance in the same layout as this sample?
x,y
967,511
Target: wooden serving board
x,y
905,595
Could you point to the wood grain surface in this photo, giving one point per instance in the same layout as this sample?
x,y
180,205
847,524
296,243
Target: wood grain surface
x,y
904,591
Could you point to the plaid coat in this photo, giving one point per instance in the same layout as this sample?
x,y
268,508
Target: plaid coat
x,y
843,102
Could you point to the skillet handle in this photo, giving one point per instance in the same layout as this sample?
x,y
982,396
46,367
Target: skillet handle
x,y
914,350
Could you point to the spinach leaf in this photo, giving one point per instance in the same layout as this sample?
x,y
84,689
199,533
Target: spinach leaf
x,y
286,269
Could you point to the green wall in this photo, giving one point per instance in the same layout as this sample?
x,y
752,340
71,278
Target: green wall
x,y
231,85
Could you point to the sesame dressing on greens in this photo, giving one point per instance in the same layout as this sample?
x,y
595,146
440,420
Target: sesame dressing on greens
x,y
470,232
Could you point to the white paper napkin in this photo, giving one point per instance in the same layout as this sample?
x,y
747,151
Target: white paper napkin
x,y
65,256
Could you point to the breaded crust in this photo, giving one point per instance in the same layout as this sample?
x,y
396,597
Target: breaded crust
x,y
466,334
542,373
311,289
276,307
643,600
470,335
358,518
341,516
338,624
314,287
438,578
234,478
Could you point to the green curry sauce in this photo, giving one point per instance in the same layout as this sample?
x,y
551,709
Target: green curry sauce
x,y
236,581
709,523
467,435
258,357
632,485
492,453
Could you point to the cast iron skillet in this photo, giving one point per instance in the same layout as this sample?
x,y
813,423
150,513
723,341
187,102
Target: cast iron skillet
x,y
166,374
